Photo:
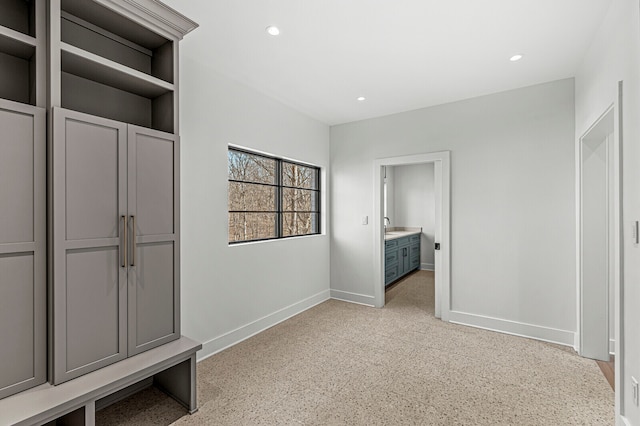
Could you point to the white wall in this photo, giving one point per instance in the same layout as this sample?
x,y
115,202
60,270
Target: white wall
x,y
613,56
513,212
414,205
229,293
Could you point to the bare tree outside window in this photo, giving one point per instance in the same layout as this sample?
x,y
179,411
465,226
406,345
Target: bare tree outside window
x,y
271,198
299,199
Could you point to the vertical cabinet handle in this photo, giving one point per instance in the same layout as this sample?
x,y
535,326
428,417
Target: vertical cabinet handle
x,y
133,241
124,242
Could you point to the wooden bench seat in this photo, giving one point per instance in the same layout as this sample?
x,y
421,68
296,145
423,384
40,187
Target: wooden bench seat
x,y
171,367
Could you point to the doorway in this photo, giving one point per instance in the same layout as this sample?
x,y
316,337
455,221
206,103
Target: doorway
x,y
441,164
597,238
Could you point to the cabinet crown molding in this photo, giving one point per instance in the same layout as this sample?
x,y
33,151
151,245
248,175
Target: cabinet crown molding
x,y
153,14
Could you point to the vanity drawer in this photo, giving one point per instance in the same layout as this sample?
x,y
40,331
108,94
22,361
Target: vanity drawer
x,y
415,250
414,238
391,257
414,262
391,244
390,274
403,241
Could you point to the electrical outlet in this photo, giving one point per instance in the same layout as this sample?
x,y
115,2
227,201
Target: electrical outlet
x,y
634,391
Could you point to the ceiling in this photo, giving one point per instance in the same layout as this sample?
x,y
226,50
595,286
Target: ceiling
x,y
399,54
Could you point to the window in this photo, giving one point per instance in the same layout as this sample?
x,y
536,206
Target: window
x,y
271,198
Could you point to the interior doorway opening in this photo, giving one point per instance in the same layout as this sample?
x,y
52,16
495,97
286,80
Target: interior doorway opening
x,y
598,238
409,209
441,233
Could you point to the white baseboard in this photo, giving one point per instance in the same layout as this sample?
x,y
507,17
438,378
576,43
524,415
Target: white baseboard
x,y
612,345
346,296
624,421
546,334
427,267
236,336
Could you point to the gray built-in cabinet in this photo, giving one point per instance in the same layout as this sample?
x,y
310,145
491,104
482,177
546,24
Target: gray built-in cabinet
x,y
89,185
22,247
115,254
23,267
114,175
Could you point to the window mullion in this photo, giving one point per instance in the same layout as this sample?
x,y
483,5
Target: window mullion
x,y
279,224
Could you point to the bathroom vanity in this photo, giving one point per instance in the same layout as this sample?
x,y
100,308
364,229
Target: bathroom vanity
x,y
401,252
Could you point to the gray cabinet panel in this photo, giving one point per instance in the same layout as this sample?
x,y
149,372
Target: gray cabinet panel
x,y
153,191
16,175
93,314
89,303
152,296
22,247
16,325
91,180
154,183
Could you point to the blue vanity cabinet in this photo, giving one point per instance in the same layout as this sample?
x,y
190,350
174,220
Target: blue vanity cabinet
x,y
391,264
402,255
414,252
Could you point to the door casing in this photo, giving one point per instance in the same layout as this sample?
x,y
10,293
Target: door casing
x,y
442,189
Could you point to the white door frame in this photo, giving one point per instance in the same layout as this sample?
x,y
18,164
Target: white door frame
x,y
609,218
442,189
613,231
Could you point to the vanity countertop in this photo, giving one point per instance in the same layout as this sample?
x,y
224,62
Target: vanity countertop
x,y
399,232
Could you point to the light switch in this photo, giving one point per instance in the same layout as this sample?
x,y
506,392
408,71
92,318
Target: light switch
x,y
365,220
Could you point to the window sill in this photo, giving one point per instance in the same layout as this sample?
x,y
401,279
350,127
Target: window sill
x,y
274,240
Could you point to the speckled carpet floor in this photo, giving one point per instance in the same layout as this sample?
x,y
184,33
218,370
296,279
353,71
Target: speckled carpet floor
x,y
345,364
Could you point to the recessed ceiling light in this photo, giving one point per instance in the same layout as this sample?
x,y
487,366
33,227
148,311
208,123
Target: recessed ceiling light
x,y
273,30
515,58
361,98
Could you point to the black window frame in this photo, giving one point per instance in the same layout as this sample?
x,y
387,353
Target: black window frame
x,y
279,186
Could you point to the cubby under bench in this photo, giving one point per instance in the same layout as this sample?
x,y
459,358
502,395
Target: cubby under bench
x,y
170,367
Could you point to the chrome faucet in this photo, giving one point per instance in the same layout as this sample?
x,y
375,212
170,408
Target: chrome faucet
x,y
387,222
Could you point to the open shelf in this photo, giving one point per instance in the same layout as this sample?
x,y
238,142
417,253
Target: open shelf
x,y
101,70
17,68
114,67
74,418
88,96
101,87
19,15
98,30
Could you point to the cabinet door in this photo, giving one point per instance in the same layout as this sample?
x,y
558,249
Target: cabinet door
x,y
404,260
22,247
154,295
89,260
